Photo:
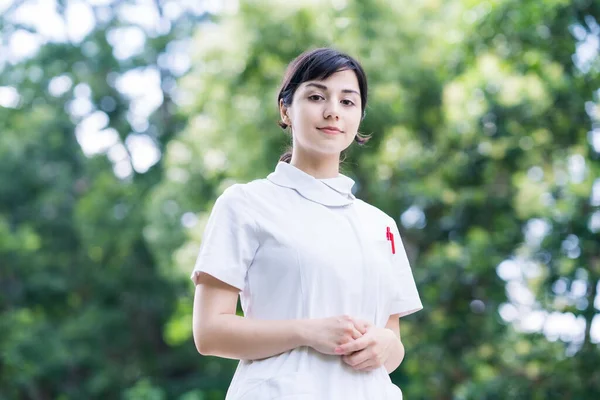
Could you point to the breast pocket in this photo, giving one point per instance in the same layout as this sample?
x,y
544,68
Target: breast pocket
x,y
379,245
382,264
382,249
382,258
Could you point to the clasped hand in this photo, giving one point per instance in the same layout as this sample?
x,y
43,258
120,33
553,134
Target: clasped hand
x,y
361,345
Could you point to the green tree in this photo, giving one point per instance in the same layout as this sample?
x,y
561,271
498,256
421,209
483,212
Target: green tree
x,y
83,306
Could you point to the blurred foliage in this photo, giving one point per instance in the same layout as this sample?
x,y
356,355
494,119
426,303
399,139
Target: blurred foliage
x,y
483,116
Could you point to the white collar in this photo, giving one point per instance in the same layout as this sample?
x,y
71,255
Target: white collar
x,y
333,192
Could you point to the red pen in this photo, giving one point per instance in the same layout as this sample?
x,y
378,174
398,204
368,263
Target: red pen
x,y
390,236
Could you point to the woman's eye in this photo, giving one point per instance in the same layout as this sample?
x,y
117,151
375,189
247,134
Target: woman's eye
x,y
347,102
315,97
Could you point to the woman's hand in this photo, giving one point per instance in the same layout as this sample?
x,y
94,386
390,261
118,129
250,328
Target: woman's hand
x,y
325,334
370,351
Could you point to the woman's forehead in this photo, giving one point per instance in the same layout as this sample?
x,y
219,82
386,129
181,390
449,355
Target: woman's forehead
x,y
344,81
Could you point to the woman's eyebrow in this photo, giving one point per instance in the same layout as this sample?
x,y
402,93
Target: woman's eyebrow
x,y
323,87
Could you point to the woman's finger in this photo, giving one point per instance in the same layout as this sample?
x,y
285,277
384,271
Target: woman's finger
x,y
353,346
355,359
362,326
356,334
365,365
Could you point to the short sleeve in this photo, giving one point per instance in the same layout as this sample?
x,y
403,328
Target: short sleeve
x,y
405,298
229,242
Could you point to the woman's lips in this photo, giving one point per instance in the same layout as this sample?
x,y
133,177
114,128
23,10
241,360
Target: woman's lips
x,y
330,130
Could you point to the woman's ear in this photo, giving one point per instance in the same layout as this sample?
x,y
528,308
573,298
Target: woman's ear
x,y
283,112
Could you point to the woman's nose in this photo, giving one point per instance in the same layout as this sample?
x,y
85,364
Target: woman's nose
x,y
331,110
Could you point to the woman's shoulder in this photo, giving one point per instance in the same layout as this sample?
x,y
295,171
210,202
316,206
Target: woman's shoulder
x,y
244,192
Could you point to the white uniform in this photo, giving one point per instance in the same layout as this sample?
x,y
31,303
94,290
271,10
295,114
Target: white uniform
x,y
300,247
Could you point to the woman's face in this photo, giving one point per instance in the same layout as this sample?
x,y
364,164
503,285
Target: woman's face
x,y
324,115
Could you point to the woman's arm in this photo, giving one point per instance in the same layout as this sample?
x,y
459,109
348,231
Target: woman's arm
x,y
397,354
218,331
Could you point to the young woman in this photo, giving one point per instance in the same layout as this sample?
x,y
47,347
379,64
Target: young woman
x,y
323,276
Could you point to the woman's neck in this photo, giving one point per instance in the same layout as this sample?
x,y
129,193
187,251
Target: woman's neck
x,y
319,167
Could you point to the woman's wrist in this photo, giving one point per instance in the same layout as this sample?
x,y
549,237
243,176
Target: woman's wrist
x,y
304,331
392,334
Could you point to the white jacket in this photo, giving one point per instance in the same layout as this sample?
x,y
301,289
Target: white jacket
x,y
299,247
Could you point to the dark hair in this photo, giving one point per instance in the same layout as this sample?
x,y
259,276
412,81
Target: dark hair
x,y
320,64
